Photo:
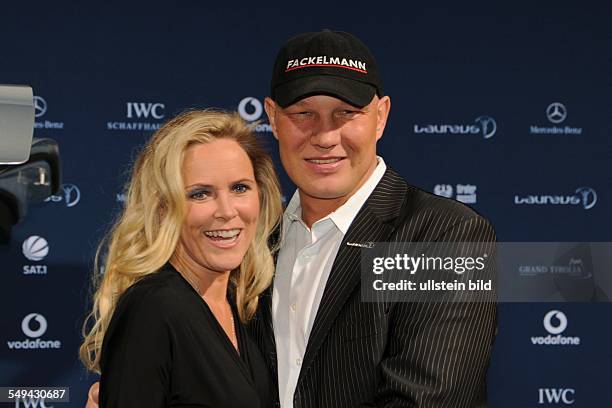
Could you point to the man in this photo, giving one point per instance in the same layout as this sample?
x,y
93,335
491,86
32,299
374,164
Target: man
x,y
327,347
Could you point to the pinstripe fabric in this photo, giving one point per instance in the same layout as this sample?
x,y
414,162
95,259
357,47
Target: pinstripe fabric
x,y
399,354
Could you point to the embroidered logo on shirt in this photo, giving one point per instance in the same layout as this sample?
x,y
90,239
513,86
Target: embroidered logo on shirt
x,y
368,244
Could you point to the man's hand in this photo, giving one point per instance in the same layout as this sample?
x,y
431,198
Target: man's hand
x,y
92,396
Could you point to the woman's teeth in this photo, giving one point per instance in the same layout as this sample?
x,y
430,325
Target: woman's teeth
x,y
223,234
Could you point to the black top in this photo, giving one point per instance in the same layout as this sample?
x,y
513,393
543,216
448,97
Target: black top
x,y
165,348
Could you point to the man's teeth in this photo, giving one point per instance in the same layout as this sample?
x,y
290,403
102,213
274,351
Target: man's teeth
x,y
324,161
222,234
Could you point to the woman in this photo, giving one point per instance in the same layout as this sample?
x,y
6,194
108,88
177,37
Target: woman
x,y
186,263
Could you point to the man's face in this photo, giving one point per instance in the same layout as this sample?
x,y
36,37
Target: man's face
x,y
327,146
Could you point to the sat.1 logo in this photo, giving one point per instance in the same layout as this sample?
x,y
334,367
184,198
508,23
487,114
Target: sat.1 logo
x,y
35,248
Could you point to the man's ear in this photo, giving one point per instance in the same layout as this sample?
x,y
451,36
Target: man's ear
x,y
271,107
382,113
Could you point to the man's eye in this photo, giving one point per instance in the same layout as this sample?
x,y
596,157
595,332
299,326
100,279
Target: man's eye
x,y
241,188
198,195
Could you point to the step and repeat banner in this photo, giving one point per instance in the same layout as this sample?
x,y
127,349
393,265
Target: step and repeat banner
x,y
507,110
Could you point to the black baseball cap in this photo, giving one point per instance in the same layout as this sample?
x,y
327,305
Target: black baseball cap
x,y
328,62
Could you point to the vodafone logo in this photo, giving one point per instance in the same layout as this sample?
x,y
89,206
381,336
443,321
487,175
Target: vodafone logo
x,y
26,327
555,323
34,326
556,326
250,109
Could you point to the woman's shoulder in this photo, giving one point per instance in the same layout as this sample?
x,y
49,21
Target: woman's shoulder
x,y
160,290
143,317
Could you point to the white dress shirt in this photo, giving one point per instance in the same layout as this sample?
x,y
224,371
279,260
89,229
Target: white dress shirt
x,y
304,262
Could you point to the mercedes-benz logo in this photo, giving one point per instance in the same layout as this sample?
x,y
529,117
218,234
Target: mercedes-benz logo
x,y
40,106
255,106
556,112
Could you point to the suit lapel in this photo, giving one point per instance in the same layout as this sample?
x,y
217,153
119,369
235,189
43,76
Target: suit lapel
x,y
375,222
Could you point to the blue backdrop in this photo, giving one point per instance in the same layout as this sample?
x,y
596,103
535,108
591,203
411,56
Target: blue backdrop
x,y
493,105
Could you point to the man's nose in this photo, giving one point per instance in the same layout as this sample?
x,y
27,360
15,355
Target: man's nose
x,y
326,135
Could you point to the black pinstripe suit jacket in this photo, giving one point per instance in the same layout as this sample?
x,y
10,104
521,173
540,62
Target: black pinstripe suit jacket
x,y
399,354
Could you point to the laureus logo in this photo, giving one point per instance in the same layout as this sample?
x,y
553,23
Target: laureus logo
x,y
35,248
488,126
484,125
69,194
585,196
588,197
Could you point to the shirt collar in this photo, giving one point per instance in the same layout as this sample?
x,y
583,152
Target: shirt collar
x,y
346,213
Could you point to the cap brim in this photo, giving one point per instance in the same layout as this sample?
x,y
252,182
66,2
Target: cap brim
x,y
353,92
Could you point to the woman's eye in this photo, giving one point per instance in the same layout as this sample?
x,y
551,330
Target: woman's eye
x,y
198,195
241,188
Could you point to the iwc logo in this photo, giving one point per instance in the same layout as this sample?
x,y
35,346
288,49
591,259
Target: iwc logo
x,y
142,116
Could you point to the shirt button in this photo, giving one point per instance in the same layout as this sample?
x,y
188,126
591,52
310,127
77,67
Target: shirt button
x,y
293,306
298,361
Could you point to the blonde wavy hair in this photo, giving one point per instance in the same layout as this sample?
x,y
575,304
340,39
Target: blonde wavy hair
x,y
145,235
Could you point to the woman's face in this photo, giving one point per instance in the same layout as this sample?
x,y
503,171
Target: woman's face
x,y
222,205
